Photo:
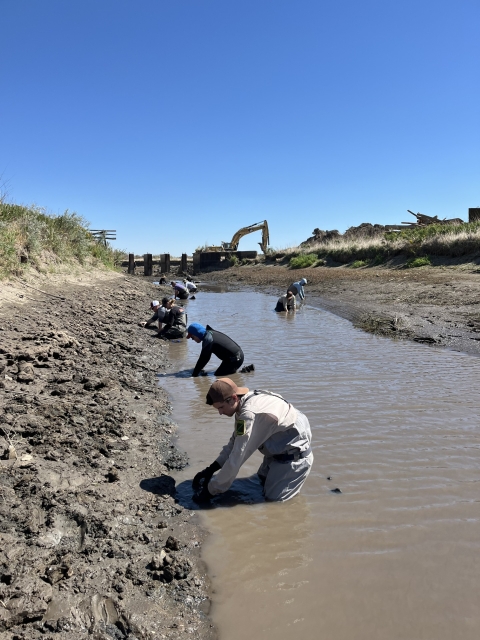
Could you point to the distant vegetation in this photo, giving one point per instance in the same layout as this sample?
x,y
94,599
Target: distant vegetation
x,y
31,237
303,260
418,245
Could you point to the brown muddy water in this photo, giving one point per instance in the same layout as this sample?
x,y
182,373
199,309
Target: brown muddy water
x,y
396,555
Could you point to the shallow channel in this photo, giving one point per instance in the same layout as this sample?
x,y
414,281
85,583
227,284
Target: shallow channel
x,y
396,555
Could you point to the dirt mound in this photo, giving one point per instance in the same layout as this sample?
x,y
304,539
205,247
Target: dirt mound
x,y
364,230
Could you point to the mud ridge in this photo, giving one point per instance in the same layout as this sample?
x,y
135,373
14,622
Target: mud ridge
x,y
92,541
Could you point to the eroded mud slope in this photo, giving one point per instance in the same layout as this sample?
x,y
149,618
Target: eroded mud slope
x,y
92,542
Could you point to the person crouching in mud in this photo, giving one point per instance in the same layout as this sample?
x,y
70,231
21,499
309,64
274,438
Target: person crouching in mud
x,y
219,344
263,421
175,320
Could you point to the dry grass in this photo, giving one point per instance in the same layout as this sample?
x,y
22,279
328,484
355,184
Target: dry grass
x,y
436,240
31,237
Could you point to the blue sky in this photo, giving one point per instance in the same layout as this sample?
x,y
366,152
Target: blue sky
x,y
176,122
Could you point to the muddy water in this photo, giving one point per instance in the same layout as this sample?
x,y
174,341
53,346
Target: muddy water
x,y
396,555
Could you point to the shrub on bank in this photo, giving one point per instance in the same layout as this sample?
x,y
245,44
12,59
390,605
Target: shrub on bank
x,y
359,263
302,261
29,236
423,261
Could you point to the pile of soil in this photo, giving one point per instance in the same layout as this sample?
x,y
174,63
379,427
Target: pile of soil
x,y
92,541
432,305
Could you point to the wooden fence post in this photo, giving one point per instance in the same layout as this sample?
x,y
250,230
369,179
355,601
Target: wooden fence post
x,y
131,263
147,265
165,263
183,263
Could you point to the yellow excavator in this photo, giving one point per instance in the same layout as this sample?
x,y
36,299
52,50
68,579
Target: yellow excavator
x,y
233,244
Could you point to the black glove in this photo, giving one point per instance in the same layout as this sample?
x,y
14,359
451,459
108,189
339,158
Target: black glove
x,y
205,475
203,497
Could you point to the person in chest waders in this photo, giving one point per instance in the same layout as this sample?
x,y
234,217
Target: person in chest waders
x,y
263,421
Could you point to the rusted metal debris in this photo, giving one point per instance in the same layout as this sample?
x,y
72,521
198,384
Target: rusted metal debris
x,y
422,221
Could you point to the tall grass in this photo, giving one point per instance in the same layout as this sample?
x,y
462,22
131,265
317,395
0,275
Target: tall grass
x,y
31,237
454,241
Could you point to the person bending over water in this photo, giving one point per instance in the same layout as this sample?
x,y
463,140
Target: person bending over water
x,y
263,421
216,343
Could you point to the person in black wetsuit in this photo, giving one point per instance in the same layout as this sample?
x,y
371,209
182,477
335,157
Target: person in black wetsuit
x,y
217,343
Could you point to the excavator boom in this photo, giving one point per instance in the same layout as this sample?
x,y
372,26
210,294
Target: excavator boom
x,y
257,226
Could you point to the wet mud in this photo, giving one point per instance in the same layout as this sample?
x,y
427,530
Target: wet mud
x,y
92,540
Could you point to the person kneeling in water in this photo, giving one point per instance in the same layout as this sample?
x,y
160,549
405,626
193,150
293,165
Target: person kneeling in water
x,y
286,302
217,343
263,421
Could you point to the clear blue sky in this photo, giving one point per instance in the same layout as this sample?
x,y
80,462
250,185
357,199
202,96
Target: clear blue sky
x,y
176,122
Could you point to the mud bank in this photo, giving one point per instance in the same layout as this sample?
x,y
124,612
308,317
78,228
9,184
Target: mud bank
x,y
92,542
431,305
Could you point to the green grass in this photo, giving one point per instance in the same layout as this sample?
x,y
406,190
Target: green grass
x,y
422,261
359,263
40,238
303,261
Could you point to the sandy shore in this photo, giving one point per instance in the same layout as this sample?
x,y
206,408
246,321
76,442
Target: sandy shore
x,y
92,542
438,306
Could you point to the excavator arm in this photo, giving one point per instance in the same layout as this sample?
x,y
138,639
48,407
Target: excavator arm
x,y
263,226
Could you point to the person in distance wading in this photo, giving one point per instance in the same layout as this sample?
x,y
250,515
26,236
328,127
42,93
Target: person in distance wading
x,y
190,286
263,421
297,289
216,343
286,302
180,290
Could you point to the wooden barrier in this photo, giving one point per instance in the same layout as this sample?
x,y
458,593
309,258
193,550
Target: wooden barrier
x,y
147,262
474,214
165,263
131,263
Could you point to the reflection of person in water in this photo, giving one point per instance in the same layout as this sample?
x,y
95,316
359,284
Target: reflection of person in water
x,y
263,421
217,343
286,302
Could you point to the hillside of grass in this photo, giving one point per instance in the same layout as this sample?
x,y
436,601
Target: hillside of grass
x,y
31,238
418,247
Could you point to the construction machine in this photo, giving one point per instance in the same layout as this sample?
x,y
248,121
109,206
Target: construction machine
x,y
233,244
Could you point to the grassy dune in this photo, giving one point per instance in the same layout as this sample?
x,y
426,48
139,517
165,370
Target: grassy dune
x,y
418,246
29,237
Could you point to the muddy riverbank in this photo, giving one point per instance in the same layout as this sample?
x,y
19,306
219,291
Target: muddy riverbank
x,y
92,542
431,305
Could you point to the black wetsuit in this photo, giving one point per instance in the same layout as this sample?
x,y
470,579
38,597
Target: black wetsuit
x,y
224,348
